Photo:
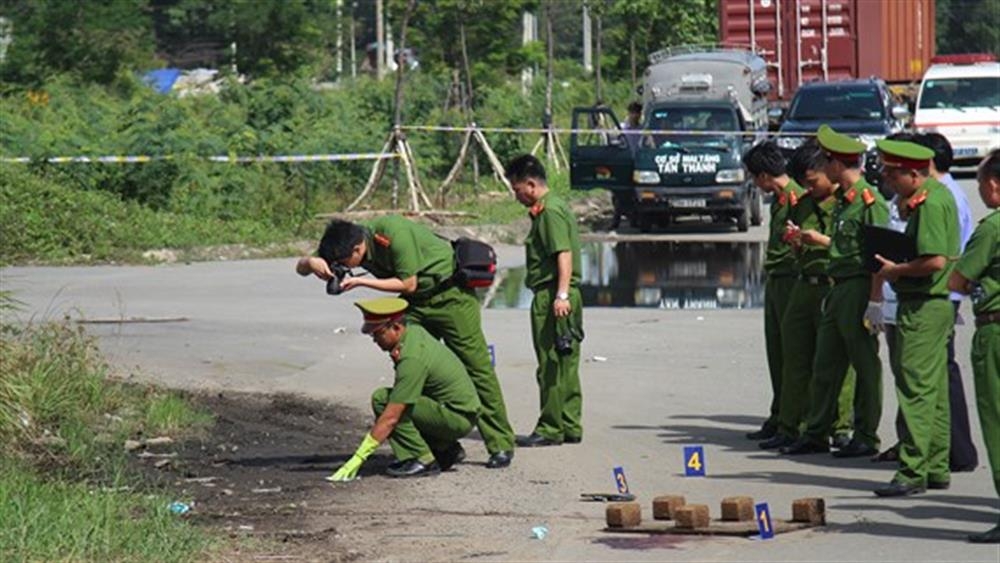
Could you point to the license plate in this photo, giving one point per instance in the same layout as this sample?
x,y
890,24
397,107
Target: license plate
x,y
687,203
966,151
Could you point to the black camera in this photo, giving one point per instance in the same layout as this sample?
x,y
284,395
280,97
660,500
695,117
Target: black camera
x,y
564,344
339,273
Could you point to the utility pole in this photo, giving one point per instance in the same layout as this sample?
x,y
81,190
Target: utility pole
x,y
340,38
588,65
380,40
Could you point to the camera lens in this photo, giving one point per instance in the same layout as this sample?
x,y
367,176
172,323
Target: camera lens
x,y
333,286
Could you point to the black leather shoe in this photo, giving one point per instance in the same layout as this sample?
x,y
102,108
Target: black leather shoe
x,y
397,464
454,454
500,460
989,536
938,485
572,439
856,449
804,446
897,489
414,468
892,454
776,442
536,440
765,433
841,441
962,468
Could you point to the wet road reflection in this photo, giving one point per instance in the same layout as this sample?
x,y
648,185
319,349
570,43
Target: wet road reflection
x,y
658,274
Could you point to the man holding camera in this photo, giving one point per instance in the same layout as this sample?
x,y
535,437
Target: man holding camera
x,y
430,405
553,273
409,259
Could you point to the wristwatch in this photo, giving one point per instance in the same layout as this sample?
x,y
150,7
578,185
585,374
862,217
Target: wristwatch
x,y
562,296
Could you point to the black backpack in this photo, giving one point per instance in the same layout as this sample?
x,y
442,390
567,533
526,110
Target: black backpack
x,y
475,263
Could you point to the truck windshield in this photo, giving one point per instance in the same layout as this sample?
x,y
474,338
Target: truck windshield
x,y
688,120
952,93
818,104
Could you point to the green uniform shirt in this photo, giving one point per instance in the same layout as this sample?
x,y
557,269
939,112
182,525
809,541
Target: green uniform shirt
x,y
933,223
426,367
811,214
780,260
400,248
860,205
981,263
553,230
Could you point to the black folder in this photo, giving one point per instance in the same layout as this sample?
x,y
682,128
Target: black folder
x,y
890,244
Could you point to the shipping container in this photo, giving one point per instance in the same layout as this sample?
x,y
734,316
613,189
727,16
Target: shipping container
x,y
806,40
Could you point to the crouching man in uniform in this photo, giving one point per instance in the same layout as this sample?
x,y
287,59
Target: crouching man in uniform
x,y
431,404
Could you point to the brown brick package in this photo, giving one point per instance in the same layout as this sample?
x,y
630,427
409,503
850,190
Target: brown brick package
x,y
811,510
665,506
623,515
737,509
692,516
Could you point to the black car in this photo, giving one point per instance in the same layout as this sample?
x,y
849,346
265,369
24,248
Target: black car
x,y
860,108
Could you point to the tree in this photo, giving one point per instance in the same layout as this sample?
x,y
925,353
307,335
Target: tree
x,y
968,26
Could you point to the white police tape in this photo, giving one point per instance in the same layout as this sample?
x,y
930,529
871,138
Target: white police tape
x,y
226,158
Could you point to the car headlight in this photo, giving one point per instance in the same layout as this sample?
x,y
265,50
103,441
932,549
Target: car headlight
x,y
790,143
646,177
868,140
730,176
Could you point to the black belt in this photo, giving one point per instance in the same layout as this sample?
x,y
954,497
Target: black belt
x,y
815,280
904,297
987,319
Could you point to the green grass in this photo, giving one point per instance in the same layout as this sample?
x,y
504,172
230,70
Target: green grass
x,y
66,493
45,519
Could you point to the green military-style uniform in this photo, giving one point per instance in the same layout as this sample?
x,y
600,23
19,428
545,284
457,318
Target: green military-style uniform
x,y
924,319
398,247
981,264
554,230
781,269
441,402
842,340
802,315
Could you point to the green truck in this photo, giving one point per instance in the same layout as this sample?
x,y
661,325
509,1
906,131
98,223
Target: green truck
x,y
702,108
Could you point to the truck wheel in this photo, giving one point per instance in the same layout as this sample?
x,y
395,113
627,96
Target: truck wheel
x,y
743,221
757,214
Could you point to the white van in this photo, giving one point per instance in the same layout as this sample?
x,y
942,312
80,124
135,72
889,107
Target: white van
x,y
960,99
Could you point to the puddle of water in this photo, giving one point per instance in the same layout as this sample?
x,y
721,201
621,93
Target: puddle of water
x,y
658,274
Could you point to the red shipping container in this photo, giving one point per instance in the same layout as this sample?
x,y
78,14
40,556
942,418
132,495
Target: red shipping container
x,y
806,40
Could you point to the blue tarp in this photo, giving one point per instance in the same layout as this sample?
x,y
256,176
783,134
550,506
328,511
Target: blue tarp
x,y
162,80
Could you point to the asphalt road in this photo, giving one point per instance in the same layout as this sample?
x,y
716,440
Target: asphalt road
x,y
665,379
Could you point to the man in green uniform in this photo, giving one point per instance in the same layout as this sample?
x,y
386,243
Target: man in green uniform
x,y
813,213
766,166
923,320
553,273
978,273
409,259
842,339
430,405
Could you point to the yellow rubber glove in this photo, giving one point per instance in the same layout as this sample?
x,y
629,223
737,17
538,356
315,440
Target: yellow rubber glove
x,y
349,470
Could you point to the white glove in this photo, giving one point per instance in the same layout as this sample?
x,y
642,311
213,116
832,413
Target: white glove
x,y
874,320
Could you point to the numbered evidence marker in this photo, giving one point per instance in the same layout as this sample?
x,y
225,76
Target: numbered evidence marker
x,y
620,482
763,516
694,461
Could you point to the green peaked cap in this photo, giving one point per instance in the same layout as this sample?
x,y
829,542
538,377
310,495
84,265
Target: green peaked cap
x,y
838,143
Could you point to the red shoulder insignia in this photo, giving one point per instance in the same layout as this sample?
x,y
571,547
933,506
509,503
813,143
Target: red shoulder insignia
x,y
916,200
382,240
850,195
794,198
868,197
782,199
537,209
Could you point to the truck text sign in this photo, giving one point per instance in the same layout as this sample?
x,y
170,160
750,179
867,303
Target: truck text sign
x,y
687,163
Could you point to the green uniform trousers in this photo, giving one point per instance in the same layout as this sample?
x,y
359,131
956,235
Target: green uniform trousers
x,y
426,427
454,317
776,292
561,400
843,341
799,328
986,367
921,360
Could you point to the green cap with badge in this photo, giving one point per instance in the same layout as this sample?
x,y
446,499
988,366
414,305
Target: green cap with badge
x,y
838,145
381,311
904,154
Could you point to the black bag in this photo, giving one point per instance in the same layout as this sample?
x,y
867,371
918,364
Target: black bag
x,y
475,263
